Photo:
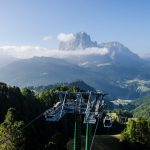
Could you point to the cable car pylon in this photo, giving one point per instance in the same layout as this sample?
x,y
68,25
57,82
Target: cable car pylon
x,y
89,104
77,132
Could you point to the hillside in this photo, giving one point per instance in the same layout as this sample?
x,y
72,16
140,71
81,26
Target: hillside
x,y
78,83
40,71
142,111
145,99
101,142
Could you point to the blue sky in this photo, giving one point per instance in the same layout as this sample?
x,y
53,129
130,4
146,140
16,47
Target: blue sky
x,y
27,22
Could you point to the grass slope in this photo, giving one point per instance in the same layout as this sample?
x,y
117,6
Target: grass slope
x,y
101,142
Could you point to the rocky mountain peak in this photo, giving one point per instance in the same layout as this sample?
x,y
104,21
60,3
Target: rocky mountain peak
x,y
112,44
81,41
117,53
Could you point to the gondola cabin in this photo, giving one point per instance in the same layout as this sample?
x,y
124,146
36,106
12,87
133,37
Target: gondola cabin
x,y
107,121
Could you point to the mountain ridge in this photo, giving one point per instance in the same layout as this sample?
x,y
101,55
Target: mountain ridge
x,y
115,52
120,72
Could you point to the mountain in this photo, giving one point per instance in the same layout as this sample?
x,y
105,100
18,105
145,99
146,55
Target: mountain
x,y
82,85
37,71
107,53
40,71
119,54
81,41
5,60
110,67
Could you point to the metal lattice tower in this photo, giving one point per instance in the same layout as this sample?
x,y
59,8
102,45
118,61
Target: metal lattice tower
x,y
89,104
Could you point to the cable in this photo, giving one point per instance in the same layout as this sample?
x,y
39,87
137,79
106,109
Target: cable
x,y
94,133
32,121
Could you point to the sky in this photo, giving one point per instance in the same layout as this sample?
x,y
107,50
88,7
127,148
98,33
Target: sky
x,y
43,23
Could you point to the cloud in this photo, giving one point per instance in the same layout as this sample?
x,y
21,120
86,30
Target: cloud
x,y
23,51
144,55
31,51
47,38
62,37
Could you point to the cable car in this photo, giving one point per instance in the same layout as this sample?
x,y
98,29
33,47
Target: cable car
x,y
107,121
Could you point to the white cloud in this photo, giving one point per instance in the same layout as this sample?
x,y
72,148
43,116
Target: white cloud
x,y
65,37
47,38
23,51
31,51
144,55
